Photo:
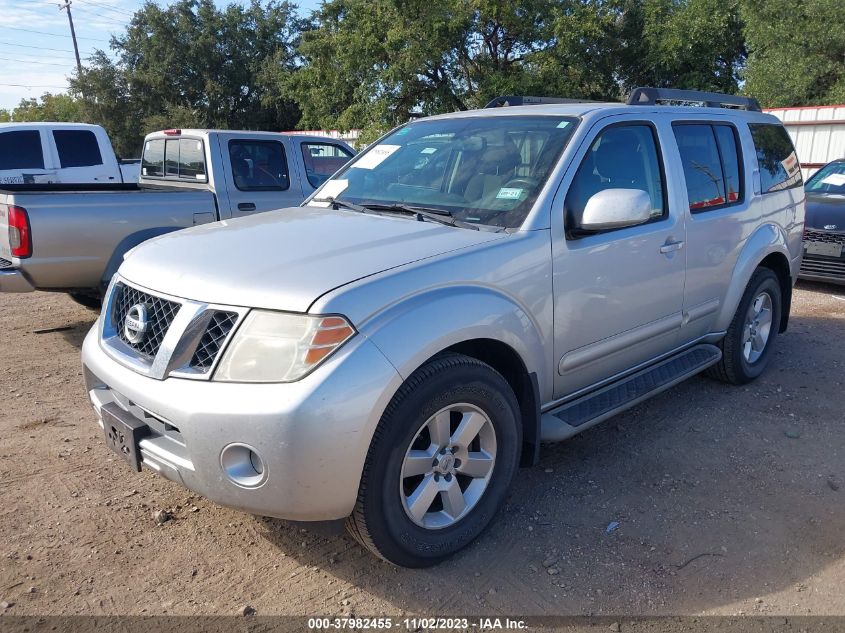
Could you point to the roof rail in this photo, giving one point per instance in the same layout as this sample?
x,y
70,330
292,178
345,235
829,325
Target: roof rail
x,y
653,96
512,100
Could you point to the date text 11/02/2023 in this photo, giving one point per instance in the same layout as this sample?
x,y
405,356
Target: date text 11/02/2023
x,y
416,623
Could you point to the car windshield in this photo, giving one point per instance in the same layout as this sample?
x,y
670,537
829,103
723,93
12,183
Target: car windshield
x,y
828,179
478,170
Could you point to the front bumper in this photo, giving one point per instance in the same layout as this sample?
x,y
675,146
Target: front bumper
x,y
12,280
312,435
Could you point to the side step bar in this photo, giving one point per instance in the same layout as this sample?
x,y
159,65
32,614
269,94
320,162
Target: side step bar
x,y
573,417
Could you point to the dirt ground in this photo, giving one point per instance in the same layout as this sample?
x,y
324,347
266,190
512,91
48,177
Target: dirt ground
x,y
728,501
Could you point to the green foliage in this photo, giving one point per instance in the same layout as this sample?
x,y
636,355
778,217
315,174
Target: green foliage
x,y
370,63
191,64
796,51
48,107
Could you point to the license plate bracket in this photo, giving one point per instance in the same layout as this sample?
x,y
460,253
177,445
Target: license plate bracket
x,y
825,249
124,433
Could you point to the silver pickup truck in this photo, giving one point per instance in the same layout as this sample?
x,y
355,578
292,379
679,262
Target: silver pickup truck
x,y
468,287
72,238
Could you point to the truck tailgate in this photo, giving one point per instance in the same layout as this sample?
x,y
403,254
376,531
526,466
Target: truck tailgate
x,y
78,235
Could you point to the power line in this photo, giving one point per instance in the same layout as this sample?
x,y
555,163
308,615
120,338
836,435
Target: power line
x,y
33,86
32,61
15,28
40,48
107,7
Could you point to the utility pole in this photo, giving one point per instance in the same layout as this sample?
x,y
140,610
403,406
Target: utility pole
x,y
66,5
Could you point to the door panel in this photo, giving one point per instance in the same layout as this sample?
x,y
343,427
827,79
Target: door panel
x,y
618,293
259,175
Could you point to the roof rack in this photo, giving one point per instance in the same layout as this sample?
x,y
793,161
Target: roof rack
x,y
654,96
512,100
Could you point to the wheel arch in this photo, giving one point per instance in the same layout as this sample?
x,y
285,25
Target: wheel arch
x,y
482,324
767,247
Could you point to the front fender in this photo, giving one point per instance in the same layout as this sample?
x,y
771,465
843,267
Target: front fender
x,y
419,327
766,240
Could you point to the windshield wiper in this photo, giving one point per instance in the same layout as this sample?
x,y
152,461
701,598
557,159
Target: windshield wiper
x,y
442,216
336,204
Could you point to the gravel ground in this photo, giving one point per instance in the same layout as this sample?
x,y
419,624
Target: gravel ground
x,y
708,499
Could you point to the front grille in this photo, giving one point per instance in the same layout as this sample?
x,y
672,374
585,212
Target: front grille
x,y
5,263
160,314
824,236
219,326
822,267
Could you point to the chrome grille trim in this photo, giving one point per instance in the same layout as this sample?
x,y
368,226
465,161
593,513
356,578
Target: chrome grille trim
x,y
218,330
5,263
184,336
161,314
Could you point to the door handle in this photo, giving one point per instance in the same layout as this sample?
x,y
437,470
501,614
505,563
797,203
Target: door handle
x,y
246,206
670,247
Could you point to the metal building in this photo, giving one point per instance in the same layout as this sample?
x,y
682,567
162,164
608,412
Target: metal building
x,y
818,133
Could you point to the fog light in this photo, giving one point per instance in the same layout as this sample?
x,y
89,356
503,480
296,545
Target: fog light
x,y
243,465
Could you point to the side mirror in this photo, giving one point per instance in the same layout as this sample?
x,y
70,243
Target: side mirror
x,y
616,208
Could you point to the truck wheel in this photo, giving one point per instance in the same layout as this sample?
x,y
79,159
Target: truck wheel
x,y
440,463
747,347
91,301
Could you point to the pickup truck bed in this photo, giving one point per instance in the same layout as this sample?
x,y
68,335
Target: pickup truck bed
x,y
79,231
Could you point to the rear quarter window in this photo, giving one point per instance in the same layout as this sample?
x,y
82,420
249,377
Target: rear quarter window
x,y
77,148
21,150
779,166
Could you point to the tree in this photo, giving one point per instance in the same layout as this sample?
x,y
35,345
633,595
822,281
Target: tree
x,y
371,63
796,51
191,64
48,107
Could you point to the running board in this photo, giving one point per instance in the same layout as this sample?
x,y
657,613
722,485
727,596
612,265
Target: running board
x,y
573,417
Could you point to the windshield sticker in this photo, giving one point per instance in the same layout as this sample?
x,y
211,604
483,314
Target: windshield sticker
x,y
403,131
429,150
376,156
508,193
837,180
331,189
563,124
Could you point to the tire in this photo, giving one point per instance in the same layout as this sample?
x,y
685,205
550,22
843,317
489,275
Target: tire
x,y
90,301
737,366
450,389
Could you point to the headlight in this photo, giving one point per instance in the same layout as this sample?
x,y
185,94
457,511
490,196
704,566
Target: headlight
x,y
280,347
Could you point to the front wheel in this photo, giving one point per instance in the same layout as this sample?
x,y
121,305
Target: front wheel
x,y
748,344
440,463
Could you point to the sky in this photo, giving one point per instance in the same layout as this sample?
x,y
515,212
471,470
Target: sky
x,y
36,50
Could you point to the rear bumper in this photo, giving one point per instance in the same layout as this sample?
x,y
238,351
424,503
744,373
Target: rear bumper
x,y
312,435
12,280
826,269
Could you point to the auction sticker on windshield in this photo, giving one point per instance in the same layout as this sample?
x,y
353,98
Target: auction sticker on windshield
x,y
509,193
375,156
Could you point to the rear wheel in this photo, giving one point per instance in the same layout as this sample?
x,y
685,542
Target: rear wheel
x,y
748,344
440,463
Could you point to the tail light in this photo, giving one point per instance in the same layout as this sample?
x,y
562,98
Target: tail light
x,y
20,238
172,132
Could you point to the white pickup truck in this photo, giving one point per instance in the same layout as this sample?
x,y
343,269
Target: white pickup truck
x,y
60,152
72,237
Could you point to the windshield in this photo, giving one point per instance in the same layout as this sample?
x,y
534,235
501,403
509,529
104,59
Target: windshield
x,y
828,179
480,170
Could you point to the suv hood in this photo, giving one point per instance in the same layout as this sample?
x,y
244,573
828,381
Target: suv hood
x,y
286,259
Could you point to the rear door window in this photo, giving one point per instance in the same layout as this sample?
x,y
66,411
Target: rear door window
x,y
322,160
779,166
710,159
259,165
77,148
21,150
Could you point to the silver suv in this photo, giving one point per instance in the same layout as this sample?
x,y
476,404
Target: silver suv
x,y
470,286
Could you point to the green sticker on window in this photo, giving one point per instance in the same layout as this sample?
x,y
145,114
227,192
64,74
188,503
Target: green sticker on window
x,y
563,124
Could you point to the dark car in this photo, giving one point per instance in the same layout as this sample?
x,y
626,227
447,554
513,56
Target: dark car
x,y
824,225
